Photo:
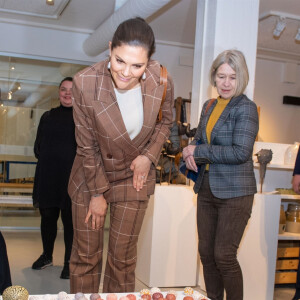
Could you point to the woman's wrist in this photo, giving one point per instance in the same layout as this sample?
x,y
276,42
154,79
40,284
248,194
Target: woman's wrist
x,y
143,155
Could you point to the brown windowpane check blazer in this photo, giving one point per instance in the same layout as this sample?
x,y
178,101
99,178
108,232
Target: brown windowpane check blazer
x,y
105,150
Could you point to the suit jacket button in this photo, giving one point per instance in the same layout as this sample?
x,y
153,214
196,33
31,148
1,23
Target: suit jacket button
x,y
109,156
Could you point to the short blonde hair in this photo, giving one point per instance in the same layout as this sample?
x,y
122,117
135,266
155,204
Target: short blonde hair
x,y
236,60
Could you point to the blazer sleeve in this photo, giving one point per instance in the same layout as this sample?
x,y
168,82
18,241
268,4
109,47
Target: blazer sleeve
x,y
87,145
39,134
162,129
243,138
197,135
297,164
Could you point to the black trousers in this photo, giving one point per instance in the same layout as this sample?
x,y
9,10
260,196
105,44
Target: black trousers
x,y
49,217
5,279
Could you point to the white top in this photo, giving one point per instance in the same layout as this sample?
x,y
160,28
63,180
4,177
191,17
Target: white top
x,y
131,106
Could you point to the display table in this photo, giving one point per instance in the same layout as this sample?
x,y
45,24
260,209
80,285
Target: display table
x,y
258,249
168,242
63,296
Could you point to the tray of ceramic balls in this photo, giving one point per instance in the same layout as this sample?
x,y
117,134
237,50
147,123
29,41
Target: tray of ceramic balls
x,y
20,293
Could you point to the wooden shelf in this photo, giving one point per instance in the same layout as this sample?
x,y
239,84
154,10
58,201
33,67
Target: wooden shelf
x,y
282,196
16,185
289,196
289,236
276,166
15,201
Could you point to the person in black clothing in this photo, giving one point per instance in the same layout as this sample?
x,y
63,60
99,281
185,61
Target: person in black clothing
x,y
296,188
55,149
5,280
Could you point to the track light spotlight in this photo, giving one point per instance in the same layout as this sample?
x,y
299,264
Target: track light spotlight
x,y
50,2
280,26
297,37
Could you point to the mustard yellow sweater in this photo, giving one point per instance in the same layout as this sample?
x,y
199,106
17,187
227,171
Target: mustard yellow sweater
x,y
214,117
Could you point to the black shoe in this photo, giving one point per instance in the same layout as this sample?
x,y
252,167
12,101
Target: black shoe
x,y
65,273
297,295
42,262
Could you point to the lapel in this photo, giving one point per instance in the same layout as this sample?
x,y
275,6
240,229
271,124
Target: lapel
x,y
152,93
109,114
223,117
206,118
106,108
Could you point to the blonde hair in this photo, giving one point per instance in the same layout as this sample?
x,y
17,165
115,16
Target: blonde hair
x,y
236,60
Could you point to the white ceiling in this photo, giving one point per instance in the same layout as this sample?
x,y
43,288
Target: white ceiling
x,y
174,23
285,46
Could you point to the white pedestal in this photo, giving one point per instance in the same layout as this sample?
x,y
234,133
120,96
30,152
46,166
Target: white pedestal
x,y
258,249
167,247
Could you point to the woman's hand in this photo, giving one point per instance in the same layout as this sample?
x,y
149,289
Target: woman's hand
x,y
188,157
140,167
97,210
296,183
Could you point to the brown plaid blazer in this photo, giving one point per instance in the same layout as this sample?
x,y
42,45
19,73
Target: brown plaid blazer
x,y
104,148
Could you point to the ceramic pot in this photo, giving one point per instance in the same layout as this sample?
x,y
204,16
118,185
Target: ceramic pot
x,y
291,154
293,218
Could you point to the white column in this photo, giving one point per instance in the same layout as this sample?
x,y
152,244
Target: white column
x,y
222,25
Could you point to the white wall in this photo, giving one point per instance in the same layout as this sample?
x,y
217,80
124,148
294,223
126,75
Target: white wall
x,y
179,62
279,123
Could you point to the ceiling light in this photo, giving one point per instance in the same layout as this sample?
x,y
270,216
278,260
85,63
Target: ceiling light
x,y
9,94
18,85
279,27
50,2
297,37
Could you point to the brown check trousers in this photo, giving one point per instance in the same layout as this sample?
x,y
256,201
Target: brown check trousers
x,y
126,219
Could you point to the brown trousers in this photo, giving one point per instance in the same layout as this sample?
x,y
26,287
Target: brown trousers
x,y
221,224
126,219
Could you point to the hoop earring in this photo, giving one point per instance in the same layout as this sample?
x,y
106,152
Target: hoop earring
x,y
144,76
108,65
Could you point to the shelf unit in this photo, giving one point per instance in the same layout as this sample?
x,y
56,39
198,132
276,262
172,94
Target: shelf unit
x,y
278,175
289,235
